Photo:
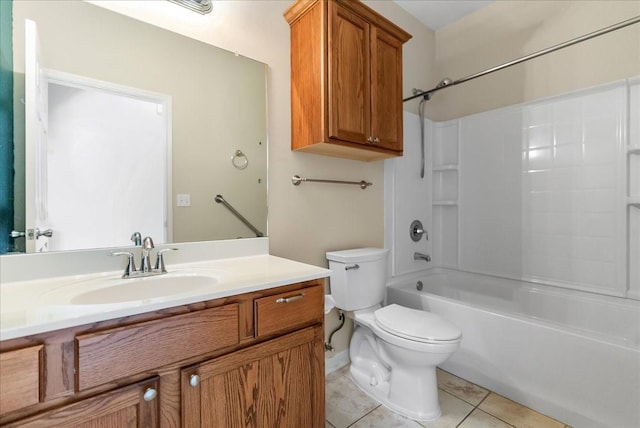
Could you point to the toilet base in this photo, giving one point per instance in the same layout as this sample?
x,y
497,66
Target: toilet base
x,y
379,391
406,389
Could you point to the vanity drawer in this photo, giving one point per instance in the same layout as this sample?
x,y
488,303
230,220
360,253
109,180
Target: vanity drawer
x,y
125,351
290,310
20,378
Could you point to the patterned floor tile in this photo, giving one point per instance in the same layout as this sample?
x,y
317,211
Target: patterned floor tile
x,y
385,418
516,414
345,402
453,409
458,387
480,419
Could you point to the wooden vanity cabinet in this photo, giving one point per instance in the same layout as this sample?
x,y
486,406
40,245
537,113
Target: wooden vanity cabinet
x,y
346,80
137,371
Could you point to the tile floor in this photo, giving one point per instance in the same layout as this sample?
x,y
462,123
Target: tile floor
x,y
463,404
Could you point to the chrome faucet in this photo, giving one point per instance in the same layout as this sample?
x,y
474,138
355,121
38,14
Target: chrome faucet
x,y
420,256
145,260
136,238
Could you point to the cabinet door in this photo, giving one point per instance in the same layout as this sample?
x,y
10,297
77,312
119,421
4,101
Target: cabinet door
x,y
125,407
349,76
386,92
279,383
20,373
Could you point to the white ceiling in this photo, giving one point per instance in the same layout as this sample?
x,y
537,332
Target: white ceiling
x,y
437,14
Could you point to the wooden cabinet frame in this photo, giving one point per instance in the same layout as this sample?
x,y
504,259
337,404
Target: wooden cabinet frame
x,y
107,363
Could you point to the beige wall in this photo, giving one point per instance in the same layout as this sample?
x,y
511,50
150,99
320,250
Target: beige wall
x,y
506,30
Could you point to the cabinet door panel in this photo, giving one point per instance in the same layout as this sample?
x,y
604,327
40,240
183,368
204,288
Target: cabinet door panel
x,y
124,407
386,97
20,378
274,384
349,74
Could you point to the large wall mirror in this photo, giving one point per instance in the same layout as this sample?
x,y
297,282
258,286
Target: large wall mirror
x,y
141,129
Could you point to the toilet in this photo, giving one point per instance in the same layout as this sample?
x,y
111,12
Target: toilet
x,y
394,350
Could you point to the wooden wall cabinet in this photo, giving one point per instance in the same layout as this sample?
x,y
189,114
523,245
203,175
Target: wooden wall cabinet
x,y
251,360
346,80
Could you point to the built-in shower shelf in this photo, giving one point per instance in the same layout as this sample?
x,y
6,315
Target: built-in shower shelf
x,y
445,202
630,150
447,167
634,201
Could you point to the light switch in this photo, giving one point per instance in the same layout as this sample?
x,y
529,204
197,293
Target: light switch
x,y
183,200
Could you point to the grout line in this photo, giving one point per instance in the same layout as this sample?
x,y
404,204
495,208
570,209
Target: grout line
x,y
363,416
483,400
466,416
475,407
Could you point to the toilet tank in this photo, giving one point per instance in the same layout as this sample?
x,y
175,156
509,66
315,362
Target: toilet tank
x,y
358,277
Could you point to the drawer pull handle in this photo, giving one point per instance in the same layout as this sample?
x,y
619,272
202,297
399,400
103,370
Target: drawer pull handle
x,y
194,380
289,299
352,267
150,394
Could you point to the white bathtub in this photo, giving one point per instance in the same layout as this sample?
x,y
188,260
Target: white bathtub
x,y
571,355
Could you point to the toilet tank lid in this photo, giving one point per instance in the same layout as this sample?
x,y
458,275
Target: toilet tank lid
x,y
357,255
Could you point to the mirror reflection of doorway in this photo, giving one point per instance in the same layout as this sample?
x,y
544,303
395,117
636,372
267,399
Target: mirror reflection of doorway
x,y
106,165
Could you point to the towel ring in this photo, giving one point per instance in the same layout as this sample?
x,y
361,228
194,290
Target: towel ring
x,y
239,160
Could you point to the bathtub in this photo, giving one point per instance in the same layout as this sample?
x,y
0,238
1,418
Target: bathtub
x,y
571,355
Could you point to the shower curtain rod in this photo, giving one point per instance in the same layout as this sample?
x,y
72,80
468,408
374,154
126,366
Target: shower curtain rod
x,y
445,83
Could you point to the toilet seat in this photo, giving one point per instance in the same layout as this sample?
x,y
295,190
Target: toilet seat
x,y
367,318
416,325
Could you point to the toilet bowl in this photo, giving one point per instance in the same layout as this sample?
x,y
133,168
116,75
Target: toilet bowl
x,y
394,350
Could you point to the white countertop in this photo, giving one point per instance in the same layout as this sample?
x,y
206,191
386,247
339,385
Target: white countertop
x,y
38,306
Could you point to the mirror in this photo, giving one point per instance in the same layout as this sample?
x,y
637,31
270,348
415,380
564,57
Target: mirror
x,y
216,127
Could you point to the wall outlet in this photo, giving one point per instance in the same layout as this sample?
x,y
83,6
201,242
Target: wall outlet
x,y
183,200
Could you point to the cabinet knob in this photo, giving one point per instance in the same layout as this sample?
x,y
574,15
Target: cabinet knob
x,y
370,140
150,394
194,380
376,140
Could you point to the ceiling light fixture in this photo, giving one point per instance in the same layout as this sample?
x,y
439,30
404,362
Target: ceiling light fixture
x,y
201,6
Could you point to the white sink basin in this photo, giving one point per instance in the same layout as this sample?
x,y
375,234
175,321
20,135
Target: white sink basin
x,y
152,287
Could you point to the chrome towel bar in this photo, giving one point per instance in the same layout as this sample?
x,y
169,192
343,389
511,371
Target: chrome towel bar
x,y
296,180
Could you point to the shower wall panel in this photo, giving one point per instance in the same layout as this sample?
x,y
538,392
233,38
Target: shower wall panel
x,y
543,191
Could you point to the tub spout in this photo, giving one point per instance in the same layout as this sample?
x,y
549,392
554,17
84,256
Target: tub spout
x,y
420,256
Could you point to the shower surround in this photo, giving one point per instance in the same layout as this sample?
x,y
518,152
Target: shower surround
x,y
546,192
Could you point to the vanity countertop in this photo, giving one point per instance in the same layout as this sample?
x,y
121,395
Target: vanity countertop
x,y
38,306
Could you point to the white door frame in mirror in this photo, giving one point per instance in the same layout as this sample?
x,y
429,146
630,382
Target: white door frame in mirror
x,y
149,199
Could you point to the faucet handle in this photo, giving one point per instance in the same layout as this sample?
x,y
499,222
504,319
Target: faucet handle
x,y
131,264
160,259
